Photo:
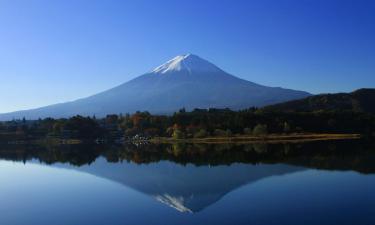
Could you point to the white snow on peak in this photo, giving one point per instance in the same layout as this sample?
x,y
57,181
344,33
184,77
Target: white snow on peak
x,y
174,202
188,62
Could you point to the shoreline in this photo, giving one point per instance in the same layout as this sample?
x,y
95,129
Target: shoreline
x,y
272,138
237,139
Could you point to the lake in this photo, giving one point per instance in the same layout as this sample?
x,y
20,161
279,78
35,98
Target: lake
x,y
330,182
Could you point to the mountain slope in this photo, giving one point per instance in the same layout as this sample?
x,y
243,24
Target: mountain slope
x,y
185,81
361,100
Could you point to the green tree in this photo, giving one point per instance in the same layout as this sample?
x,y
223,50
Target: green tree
x,y
178,134
220,132
260,130
202,133
247,131
286,127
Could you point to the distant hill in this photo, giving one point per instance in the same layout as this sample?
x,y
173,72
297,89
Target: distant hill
x,y
362,100
185,81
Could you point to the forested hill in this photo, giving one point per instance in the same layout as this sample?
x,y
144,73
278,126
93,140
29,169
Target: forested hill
x,y
362,100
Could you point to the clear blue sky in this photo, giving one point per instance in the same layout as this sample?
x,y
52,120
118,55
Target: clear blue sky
x,y
58,50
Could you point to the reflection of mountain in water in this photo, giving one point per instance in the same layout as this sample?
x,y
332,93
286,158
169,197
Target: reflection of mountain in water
x,y
186,188
181,176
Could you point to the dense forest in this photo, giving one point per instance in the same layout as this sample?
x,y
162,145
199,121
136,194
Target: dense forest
x,y
198,123
361,100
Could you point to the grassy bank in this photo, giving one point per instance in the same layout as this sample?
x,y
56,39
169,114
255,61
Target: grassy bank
x,y
272,138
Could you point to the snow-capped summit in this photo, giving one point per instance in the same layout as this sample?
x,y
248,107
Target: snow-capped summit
x,y
188,62
185,81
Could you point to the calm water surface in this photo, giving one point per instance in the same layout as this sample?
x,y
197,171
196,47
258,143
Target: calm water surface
x,y
316,183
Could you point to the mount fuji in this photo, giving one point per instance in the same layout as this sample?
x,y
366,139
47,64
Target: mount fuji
x,y
185,81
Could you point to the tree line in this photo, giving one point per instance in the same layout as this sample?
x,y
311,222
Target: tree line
x,y
198,123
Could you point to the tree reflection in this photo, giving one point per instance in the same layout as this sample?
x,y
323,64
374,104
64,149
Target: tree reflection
x,y
334,155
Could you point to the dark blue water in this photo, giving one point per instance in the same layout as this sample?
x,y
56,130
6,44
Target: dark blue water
x,y
307,188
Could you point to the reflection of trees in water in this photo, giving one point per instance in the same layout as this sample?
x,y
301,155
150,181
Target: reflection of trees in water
x,y
260,148
338,155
